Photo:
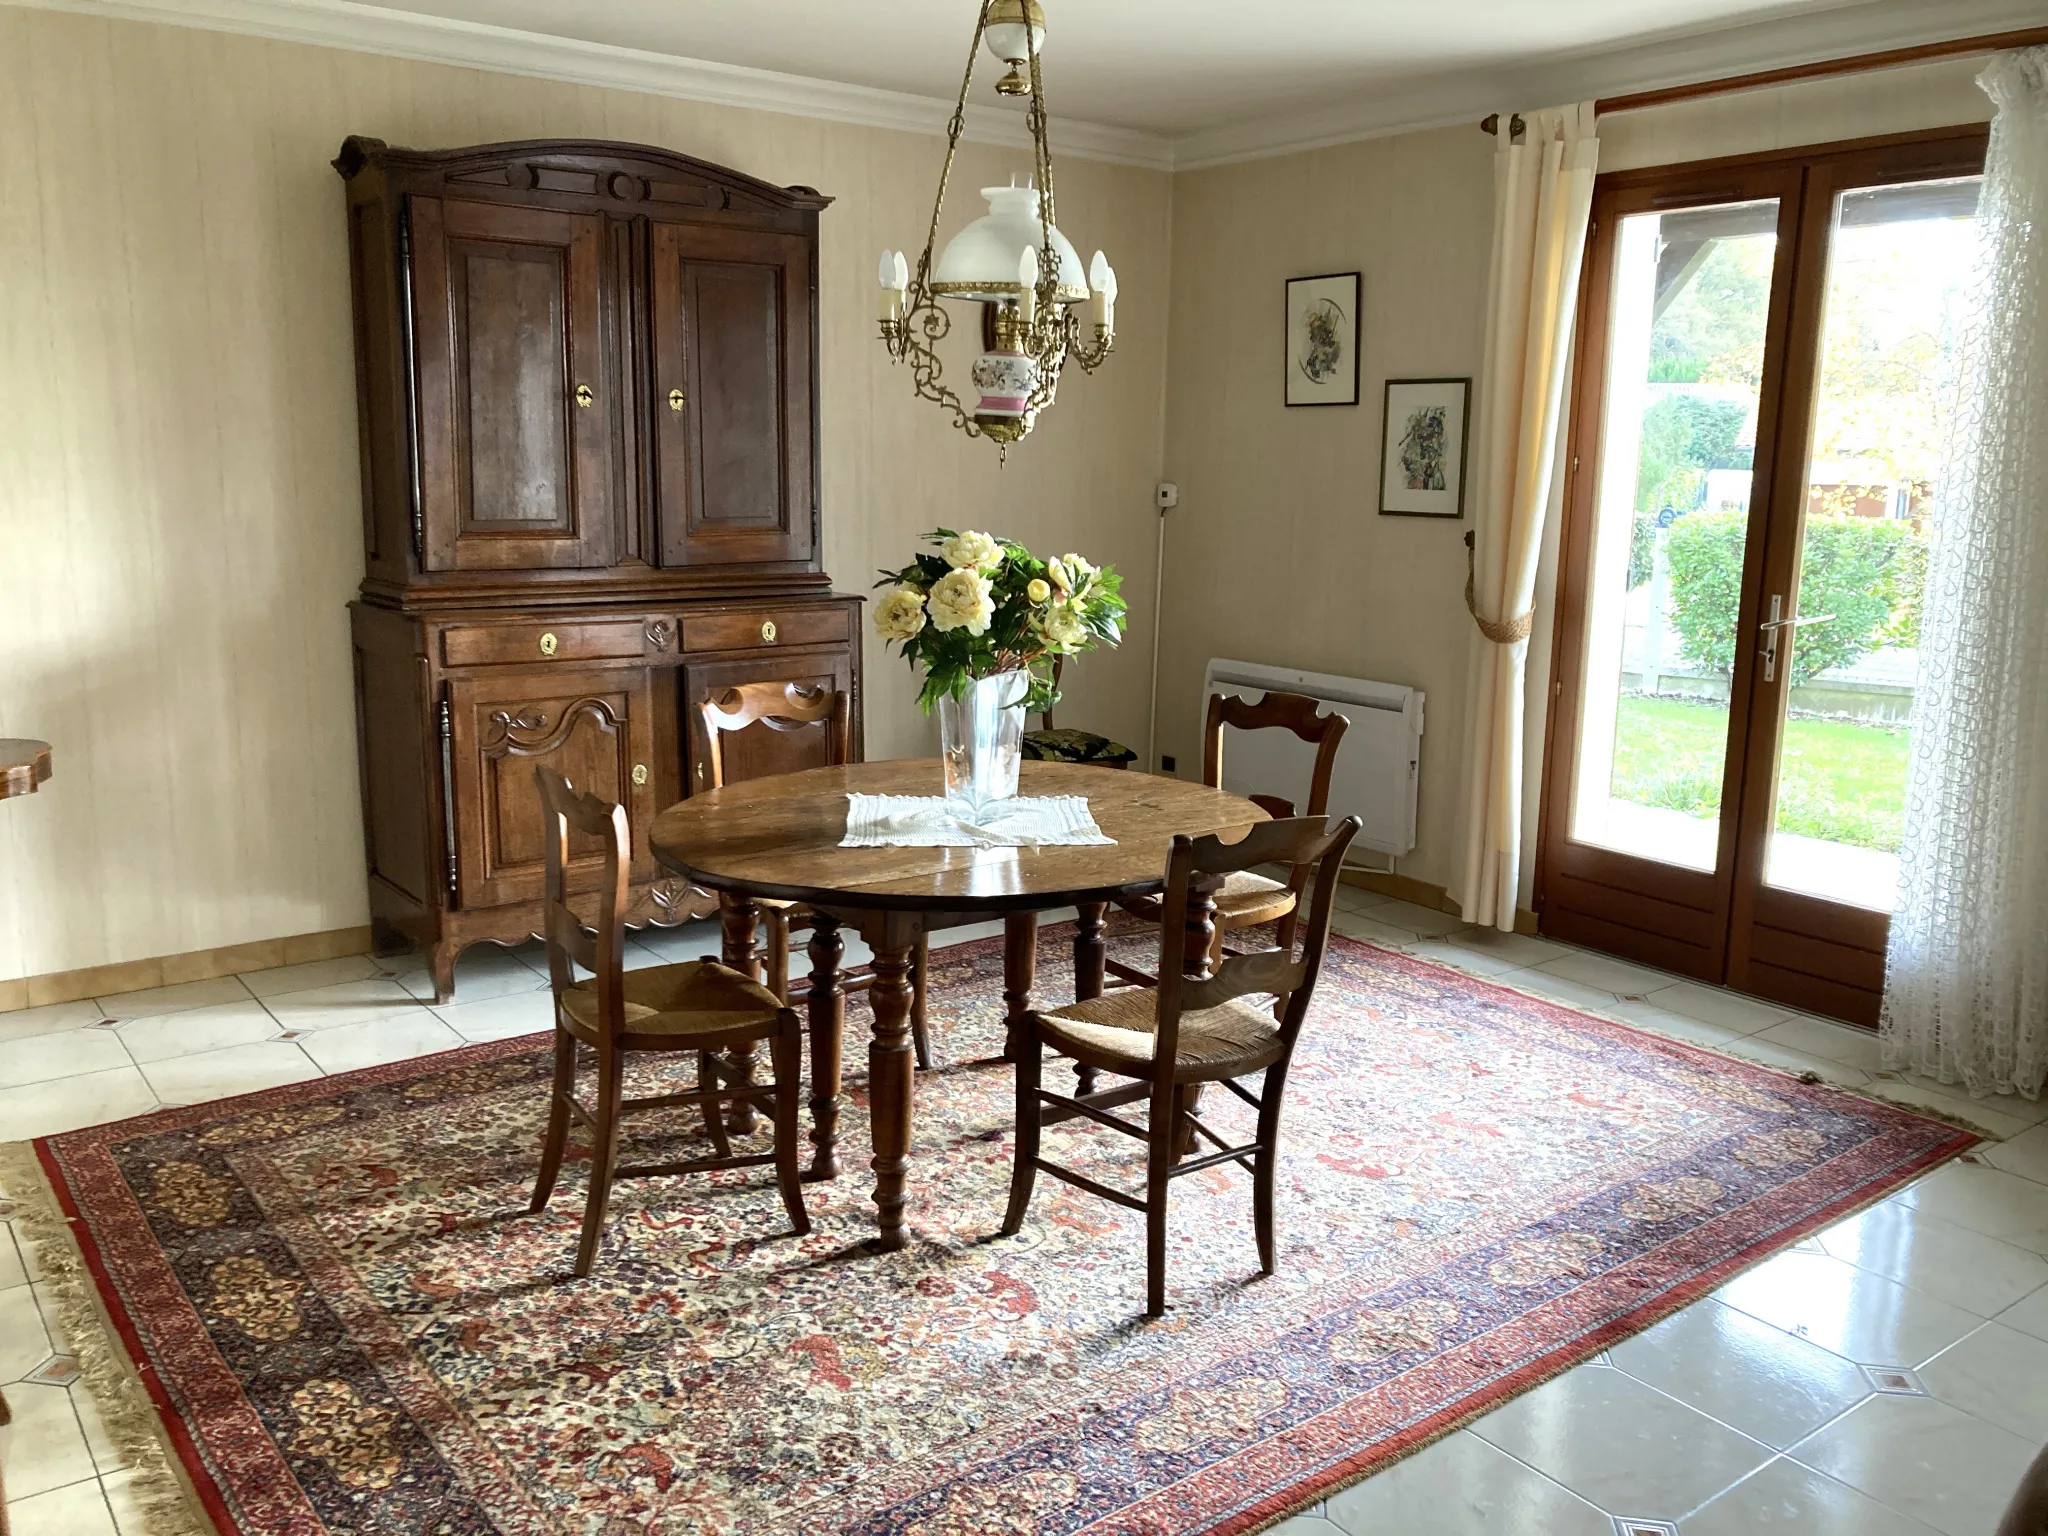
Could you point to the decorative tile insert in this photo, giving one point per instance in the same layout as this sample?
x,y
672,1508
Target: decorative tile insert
x,y
57,1371
1629,1525
1895,1380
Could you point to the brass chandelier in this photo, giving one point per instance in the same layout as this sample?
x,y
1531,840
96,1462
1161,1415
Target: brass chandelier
x,y
1013,260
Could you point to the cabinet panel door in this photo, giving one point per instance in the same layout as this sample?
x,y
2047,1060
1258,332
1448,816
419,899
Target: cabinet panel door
x,y
761,750
517,403
732,322
592,725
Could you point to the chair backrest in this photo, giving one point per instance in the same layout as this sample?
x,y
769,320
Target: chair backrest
x,y
780,707
1311,843
570,944
1294,712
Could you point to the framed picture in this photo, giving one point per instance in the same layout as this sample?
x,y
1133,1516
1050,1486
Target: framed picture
x,y
1322,339
1422,448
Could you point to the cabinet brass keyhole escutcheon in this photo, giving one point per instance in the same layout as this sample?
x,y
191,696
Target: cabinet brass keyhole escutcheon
x,y
677,400
548,643
585,396
639,773
767,631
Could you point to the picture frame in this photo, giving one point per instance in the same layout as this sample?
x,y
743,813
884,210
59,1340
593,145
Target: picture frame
x,y
1322,331
1425,434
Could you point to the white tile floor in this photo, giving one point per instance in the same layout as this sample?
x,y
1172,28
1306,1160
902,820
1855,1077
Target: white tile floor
x,y
1888,1377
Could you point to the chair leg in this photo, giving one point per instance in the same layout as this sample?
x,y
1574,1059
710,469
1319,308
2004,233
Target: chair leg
x,y
604,1156
559,1091
778,952
1158,1165
1024,1168
920,1038
787,1054
714,1111
1266,1165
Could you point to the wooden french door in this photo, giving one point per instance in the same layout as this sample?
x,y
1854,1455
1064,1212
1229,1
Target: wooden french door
x,y
1758,400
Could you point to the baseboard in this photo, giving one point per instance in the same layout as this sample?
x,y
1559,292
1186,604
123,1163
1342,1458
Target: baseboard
x,y
170,970
1422,893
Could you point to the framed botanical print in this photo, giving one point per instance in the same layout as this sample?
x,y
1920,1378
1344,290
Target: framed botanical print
x,y
1422,448
1322,339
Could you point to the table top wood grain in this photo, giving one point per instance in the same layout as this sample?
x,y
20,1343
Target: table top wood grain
x,y
779,837
24,765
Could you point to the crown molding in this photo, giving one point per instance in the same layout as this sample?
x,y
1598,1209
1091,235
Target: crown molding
x,y
361,28
1415,104
1679,58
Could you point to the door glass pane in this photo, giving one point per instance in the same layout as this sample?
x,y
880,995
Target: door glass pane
x,y
1685,357
1897,262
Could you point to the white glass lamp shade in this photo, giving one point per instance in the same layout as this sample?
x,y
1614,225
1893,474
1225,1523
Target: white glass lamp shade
x,y
1005,32
981,261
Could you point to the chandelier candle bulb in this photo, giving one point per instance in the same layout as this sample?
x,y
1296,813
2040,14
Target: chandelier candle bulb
x,y
892,290
1027,286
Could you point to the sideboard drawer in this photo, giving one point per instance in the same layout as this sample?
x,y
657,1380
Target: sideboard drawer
x,y
742,629
478,645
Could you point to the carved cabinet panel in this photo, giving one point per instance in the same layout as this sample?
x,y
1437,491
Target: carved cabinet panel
x,y
592,725
516,403
732,348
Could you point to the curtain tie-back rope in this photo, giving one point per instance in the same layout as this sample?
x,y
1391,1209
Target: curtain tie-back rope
x,y
1500,634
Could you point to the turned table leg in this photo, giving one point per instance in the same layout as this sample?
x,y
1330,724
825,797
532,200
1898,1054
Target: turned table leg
x,y
889,1082
739,922
828,1021
1020,969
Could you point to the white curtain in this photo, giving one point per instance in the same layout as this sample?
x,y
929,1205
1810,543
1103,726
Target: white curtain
x,y
1966,989
1542,196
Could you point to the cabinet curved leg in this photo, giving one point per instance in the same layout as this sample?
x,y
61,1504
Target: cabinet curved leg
x,y
441,962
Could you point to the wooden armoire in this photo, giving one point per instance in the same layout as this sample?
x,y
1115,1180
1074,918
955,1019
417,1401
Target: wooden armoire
x,y
588,388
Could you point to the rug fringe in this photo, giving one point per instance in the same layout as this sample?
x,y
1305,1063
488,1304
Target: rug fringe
x,y
163,1497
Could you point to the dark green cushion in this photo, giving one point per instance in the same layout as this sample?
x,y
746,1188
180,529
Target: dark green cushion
x,y
1075,747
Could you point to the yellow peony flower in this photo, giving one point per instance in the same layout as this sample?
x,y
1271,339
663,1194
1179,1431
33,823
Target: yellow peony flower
x,y
1037,590
900,613
1080,575
1062,629
962,599
971,551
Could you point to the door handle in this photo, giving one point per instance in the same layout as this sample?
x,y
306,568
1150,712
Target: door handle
x,y
1776,623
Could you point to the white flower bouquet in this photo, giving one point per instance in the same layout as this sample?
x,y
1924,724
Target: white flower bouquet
x,y
983,606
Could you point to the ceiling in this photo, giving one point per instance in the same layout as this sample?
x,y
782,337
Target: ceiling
x,y
1164,67
1160,66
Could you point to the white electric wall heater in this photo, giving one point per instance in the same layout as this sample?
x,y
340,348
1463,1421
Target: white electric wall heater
x,y
1376,773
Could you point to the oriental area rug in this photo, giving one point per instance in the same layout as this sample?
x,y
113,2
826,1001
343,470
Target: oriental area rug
x,y
327,1305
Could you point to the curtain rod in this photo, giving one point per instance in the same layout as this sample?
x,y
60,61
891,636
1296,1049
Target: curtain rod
x,y
1821,69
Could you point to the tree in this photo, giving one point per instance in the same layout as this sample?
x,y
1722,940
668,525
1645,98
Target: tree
x,y
1860,570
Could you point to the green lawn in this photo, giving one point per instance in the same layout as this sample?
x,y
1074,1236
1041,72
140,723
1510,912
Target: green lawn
x,y
1841,781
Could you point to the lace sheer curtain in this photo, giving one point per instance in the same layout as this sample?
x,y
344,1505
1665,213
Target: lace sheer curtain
x,y
1966,992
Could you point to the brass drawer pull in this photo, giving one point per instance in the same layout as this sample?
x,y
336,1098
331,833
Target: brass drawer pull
x,y
639,773
548,643
767,631
585,396
677,400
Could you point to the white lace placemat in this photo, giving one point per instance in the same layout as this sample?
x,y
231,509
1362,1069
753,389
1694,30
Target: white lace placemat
x,y
919,821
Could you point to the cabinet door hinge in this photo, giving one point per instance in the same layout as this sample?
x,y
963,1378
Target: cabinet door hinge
x,y
447,718
412,404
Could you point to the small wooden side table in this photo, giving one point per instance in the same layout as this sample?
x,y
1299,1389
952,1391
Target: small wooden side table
x,y
24,765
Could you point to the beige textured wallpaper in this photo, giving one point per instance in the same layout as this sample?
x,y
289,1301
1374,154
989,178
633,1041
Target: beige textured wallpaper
x,y
179,512
1277,552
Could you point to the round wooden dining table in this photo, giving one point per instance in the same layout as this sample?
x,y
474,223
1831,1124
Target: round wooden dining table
x,y
778,838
